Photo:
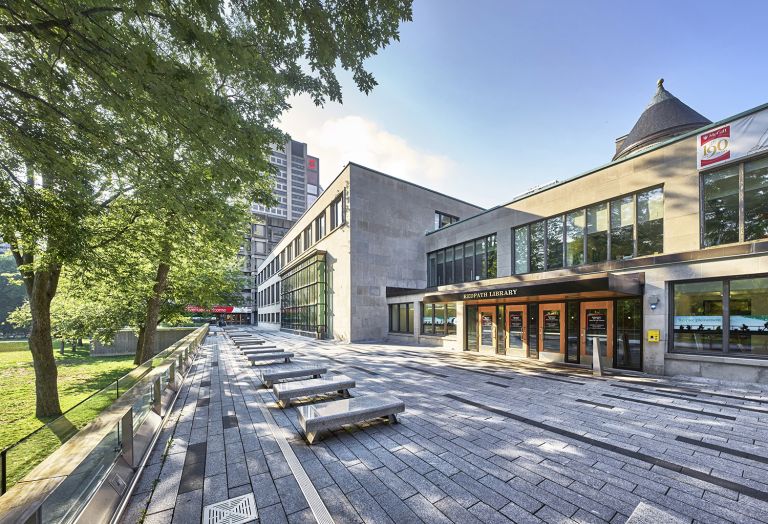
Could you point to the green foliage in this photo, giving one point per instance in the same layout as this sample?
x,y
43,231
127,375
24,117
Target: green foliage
x,y
11,292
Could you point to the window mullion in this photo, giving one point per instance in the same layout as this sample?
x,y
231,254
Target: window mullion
x,y
726,315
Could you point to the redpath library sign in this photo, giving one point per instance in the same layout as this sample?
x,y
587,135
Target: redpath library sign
x,y
743,137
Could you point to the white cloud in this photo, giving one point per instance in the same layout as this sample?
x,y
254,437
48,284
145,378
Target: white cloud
x,y
337,139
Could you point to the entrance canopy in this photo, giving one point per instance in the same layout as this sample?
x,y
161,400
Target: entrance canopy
x,y
597,285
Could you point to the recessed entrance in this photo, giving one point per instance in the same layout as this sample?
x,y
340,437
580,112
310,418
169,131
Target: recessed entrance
x,y
597,324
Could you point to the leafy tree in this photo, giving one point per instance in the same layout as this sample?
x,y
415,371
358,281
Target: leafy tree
x,y
99,101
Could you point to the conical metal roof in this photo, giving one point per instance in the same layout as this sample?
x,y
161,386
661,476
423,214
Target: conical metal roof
x,y
666,116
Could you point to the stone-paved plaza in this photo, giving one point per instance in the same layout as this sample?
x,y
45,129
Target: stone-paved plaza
x,y
483,439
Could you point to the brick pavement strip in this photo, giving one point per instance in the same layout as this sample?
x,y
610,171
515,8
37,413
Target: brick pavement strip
x,y
553,445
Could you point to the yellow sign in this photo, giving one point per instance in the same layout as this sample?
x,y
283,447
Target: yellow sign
x,y
654,335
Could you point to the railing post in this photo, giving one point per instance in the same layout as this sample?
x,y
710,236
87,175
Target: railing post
x,y
172,376
157,404
126,442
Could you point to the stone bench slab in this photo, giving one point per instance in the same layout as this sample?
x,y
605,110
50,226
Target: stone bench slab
x,y
259,351
287,391
256,349
255,346
314,418
270,375
272,355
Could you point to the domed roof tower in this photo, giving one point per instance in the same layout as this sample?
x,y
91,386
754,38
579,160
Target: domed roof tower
x,y
664,117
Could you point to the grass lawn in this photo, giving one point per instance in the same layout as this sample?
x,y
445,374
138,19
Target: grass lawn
x,y
80,375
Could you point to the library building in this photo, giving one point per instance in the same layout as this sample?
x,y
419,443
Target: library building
x,y
660,256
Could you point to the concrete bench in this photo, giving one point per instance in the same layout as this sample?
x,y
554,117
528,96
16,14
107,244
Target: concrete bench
x,y
240,341
272,355
287,391
256,351
255,346
269,375
338,413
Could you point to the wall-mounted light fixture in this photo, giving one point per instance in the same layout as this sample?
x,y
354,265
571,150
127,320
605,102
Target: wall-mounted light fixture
x,y
653,301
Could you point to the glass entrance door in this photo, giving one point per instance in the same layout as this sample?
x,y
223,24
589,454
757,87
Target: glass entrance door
x,y
597,324
517,336
487,328
552,328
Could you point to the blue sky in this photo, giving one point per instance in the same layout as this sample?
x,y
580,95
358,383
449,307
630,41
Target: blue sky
x,y
485,99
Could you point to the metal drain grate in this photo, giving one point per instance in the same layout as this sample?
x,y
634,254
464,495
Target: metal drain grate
x,y
232,511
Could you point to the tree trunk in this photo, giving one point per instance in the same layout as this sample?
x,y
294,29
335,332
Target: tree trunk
x,y
153,312
43,289
139,346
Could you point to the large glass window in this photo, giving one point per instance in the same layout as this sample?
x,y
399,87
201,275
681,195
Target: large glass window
x,y
337,212
622,228
470,319
521,250
427,319
555,242
650,222
698,316
597,233
440,264
320,226
450,320
629,333
574,238
449,266
491,256
458,263
721,207
444,219
537,246
432,269
438,319
748,316
756,200
481,262
469,262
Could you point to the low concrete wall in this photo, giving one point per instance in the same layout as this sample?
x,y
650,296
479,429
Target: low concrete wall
x,y
125,342
725,369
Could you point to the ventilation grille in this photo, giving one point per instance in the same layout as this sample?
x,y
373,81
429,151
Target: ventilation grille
x,y
232,511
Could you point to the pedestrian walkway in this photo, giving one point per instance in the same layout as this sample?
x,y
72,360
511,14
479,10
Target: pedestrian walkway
x,y
483,439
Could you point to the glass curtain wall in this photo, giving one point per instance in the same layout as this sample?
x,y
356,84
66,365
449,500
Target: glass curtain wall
x,y
303,297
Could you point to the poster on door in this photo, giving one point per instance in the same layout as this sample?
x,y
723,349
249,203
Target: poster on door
x,y
515,321
743,137
552,321
486,330
597,322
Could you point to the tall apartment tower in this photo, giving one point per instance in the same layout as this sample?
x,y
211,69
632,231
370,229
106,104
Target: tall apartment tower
x,y
297,186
